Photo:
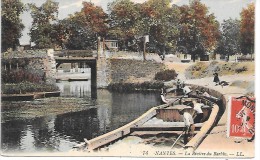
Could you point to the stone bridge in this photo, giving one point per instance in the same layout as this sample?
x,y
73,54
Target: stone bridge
x,y
88,58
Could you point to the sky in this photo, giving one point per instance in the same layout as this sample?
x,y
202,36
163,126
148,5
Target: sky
x,y
222,9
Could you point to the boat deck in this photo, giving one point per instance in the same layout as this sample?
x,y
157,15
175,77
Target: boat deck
x,y
156,124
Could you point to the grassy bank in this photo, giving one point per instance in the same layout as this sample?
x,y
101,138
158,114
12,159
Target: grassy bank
x,y
23,110
27,87
145,86
155,84
206,69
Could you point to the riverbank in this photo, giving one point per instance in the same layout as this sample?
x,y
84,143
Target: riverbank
x,y
25,91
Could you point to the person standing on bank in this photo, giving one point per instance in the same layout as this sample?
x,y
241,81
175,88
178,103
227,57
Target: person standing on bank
x,y
178,84
198,113
216,79
189,125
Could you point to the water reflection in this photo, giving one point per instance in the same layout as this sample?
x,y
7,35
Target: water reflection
x,y
60,132
12,133
78,125
34,135
128,106
79,89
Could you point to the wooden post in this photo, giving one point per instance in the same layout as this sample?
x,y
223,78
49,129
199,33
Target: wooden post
x,y
144,50
93,67
104,45
98,47
146,39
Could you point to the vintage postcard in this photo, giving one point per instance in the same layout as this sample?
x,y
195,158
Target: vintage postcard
x,y
128,78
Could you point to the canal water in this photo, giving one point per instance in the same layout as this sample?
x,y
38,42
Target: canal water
x,y
57,124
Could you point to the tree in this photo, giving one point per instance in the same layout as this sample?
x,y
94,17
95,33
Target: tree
x,y
247,29
76,35
199,30
156,18
229,43
43,19
11,23
162,21
123,16
81,29
95,18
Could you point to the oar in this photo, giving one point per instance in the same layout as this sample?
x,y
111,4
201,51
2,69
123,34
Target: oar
x,y
177,139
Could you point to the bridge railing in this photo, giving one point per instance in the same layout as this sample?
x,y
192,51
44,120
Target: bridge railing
x,y
75,53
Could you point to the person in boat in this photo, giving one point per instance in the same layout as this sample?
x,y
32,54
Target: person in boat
x,y
178,90
216,79
186,90
206,94
163,96
198,113
189,125
163,92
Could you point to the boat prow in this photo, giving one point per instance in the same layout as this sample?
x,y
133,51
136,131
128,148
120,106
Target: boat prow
x,y
163,99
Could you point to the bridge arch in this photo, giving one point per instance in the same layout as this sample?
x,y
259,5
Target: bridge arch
x,y
88,59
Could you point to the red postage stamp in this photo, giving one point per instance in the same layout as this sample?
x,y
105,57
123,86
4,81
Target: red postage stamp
x,y
242,117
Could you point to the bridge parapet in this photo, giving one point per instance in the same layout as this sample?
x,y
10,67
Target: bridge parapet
x,y
75,53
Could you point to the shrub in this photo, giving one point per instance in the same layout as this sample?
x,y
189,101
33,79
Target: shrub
x,y
166,75
239,70
136,86
19,75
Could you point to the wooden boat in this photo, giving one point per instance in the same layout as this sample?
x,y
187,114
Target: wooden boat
x,y
170,121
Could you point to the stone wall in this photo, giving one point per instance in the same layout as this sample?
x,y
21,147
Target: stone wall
x,y
41,62
127,70
103,72
45,66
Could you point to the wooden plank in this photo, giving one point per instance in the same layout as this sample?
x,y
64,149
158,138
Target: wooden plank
x,y
169,126
17,97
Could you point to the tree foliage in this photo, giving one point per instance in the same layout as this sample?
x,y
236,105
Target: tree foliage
x,y
131,21
95,18
229,42
81,30
77,34
42,26
162,20
123,17
11,23
247,28
199,30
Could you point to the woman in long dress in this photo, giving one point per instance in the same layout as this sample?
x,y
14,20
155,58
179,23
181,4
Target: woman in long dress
x,y
216,79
